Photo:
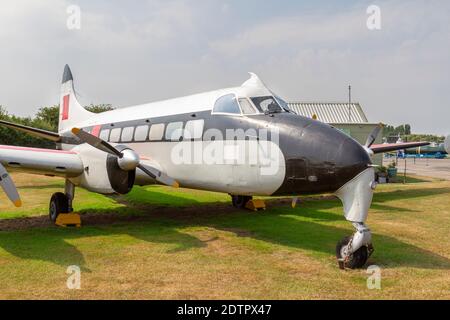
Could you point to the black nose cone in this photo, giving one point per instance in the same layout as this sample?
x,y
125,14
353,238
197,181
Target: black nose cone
x,y
351,159
319,158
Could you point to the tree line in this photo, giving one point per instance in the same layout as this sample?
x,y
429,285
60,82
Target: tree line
x,y
404,131
46,118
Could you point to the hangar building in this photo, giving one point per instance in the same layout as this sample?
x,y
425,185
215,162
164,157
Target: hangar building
x,y
351,120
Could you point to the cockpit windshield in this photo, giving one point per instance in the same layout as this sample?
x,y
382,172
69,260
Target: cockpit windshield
x,y
267,104
282,103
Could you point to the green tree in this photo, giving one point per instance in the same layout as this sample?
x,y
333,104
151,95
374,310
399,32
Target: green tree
x,y
46,118
99,108
49,115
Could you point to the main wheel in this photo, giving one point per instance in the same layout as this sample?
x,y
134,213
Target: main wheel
x,y
240,201
59,203
356,260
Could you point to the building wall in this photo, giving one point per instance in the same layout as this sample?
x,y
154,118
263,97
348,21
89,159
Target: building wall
x,y
360,132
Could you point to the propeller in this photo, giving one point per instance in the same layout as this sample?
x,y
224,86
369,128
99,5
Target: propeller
x,y
127,159
373,135
9,187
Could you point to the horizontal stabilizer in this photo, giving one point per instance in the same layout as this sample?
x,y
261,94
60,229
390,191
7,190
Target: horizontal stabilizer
x,y
32,131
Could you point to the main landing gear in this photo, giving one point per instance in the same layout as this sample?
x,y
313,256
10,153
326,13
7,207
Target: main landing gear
x,y
62,202
248,203
353,251
240,201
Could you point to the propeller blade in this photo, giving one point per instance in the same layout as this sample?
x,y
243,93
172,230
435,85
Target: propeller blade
x,y
96,142
159,176
373,135
9,187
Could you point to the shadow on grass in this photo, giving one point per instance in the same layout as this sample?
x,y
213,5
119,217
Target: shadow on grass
x,y
289,228
302,228
53,244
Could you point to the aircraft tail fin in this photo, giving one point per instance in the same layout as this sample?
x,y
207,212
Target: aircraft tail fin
x,y
71,113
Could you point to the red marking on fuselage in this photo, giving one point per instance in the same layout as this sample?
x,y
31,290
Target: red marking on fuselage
x,y
65,113
96,130
35,149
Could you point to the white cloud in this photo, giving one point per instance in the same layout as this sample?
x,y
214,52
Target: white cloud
x,y
133,52
397,73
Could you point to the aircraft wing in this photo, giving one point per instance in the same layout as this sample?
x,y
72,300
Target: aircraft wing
x,y
386,147
41,161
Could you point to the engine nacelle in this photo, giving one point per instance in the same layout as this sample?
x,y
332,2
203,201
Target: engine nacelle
x,y
102,173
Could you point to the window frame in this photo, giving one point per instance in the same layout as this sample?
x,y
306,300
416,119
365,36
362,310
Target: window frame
x,y
251,104
144,137
227,113
124,130
181,128
119,135
163,125
107,135
194,138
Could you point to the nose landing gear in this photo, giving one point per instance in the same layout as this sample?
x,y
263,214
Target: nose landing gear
x,y
353,251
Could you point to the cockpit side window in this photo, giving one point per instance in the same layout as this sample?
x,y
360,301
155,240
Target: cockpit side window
x,y
227,104
246,106
267,104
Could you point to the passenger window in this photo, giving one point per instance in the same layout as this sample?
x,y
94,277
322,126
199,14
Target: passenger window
x,y
156,132
127,134
115,135
104,134
194,129
246,106
140,134
174,131
227,104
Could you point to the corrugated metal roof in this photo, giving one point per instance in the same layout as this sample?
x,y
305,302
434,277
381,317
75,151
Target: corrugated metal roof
x,y
330,112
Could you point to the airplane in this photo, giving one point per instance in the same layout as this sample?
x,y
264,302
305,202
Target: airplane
x,y
244,141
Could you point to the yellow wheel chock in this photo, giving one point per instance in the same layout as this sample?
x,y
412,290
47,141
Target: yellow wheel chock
x,y
255,205
68,219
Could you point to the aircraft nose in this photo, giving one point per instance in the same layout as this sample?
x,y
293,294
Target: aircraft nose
x,y
320,158
351,158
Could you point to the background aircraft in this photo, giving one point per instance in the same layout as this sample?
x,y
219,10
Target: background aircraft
x,y
243,141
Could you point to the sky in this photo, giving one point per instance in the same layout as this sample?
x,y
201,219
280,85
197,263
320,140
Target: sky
x,y
138,51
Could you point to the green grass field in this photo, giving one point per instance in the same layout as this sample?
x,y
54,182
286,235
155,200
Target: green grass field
x,y
161,243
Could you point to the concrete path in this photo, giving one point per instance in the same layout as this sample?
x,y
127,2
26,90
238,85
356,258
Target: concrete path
x,y
435,168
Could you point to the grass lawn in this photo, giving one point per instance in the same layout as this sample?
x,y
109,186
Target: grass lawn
x,y
161,243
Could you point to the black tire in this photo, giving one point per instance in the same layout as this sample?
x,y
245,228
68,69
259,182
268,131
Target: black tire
x,y
240,201
59,203
357,260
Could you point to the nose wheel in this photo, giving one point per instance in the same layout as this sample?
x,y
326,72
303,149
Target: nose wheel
x,y
352,260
